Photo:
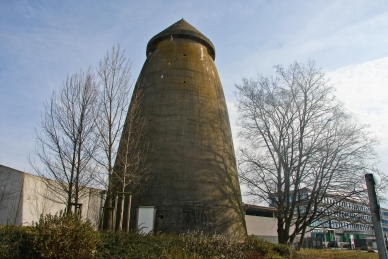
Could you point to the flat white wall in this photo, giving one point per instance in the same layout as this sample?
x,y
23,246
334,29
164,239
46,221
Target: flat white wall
x,y
265,228
146,219
261,226
24,197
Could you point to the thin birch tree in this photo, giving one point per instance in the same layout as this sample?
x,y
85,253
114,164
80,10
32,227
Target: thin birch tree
x,y
113,73
132,168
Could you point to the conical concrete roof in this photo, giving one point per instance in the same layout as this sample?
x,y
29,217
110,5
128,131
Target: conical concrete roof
x,y
181,29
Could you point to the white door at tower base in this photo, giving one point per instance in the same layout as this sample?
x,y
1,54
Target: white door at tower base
x,y
146,219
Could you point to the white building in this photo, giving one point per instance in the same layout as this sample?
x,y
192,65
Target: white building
x,y
261,222
24,197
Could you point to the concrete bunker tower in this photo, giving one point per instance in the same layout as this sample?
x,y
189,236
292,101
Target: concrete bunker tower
x,y
195,184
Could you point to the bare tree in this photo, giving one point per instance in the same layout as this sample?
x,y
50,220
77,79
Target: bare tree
x,y
132,168
114,74
296,136
65,143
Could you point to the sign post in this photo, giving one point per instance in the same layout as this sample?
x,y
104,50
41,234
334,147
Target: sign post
x,y
376,215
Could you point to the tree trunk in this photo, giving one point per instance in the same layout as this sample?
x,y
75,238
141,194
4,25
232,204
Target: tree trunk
x,y
301,239
120,222
128,213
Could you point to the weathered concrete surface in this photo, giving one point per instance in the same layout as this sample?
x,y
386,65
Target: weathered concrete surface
x,y
195,184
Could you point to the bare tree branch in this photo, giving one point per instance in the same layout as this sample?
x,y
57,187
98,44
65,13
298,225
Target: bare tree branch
x,y
65,142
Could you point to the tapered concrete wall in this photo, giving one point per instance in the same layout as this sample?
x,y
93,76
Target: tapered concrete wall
x,y
195,184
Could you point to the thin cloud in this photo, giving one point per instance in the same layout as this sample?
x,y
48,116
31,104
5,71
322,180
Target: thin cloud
x,y
364,90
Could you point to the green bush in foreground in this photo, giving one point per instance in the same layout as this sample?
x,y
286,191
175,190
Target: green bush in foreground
x,y
15,242
38,242
190,245
67,236
64,236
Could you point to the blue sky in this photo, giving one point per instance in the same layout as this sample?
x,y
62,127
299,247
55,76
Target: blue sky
x,y
43,41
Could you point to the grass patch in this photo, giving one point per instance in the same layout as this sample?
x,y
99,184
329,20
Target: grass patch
x,y
336,254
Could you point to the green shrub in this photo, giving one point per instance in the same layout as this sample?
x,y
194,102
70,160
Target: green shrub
x,y
265,249
15,242
215,246
285,250
190,245
134,245
64,236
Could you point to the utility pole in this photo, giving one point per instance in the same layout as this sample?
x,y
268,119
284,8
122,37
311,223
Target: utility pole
x,y
376,215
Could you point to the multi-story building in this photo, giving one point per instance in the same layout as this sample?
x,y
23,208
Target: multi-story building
x,y
384,223
348,218
338,219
